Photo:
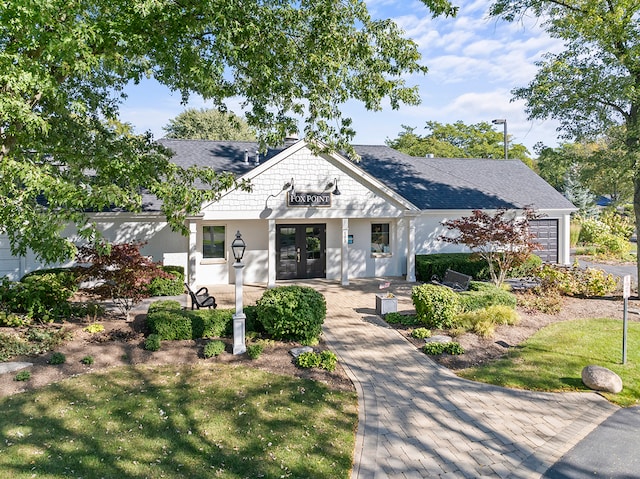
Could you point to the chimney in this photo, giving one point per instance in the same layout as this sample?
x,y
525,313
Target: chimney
x,y
290,139
257,157
246,157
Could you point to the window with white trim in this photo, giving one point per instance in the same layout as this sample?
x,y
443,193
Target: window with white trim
x,y
380,238
213,242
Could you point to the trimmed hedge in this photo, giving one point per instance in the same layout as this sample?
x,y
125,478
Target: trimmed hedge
x,y
292,313
482,295
429,265
177,324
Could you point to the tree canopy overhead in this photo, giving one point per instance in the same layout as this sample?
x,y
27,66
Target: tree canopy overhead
x,y
594,84
64,64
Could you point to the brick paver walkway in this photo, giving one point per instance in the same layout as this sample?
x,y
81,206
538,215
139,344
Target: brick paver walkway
x,y
419,420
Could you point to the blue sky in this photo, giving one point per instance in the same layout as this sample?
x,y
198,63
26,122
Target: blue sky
x,y
474,62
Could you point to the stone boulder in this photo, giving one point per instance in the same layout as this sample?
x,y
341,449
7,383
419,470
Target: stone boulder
x,y
601,379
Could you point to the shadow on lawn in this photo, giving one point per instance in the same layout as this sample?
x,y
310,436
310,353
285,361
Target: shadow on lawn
x,y
196,422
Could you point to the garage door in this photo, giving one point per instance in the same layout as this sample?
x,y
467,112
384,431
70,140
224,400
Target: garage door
x,y
546,233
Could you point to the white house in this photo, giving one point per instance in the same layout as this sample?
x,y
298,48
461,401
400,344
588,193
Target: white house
x,y
323,216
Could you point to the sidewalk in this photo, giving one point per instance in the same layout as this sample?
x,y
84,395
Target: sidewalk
x,y
417,419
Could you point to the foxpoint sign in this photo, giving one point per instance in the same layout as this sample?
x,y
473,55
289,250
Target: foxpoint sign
x,y
308,199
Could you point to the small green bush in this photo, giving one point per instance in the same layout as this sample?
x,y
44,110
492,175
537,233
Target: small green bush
x,y
213,348
57,358
482,295
484,321
168,286
436,306
170,325
324,360
44,297
87,360
452,348
255,350
152,343
293,313
22,376
13,320
94,328
328,360
421,333
308,360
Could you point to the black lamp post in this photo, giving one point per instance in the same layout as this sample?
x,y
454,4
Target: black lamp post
x,y
238,247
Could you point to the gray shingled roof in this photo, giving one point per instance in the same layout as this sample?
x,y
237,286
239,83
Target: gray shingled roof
x,y
460,183
428,183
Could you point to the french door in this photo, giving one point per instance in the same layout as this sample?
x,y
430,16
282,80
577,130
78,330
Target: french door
x,y
300,251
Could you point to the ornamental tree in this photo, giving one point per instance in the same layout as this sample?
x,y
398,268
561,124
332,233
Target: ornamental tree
x,y
503,239
65,63
119,273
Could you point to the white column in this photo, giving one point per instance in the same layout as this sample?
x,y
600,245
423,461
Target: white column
x,y
193,252
344,253
239,318
271,281
411,247
564,246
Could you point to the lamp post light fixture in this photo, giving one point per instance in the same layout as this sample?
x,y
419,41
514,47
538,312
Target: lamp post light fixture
x,y
506,143
238,247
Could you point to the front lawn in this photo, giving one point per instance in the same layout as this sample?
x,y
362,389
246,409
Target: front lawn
x,y
553,358
204,421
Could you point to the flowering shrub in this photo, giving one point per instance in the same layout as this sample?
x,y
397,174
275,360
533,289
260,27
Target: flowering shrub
x,y
618,224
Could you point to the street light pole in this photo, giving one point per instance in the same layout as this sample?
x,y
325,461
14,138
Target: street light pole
x,y
238,247
506,143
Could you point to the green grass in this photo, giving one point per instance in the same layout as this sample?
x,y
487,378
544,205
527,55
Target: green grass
x,y
553,358
179,422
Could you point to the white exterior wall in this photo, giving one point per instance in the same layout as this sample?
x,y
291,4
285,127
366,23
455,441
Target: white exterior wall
x,y
429,228
363,201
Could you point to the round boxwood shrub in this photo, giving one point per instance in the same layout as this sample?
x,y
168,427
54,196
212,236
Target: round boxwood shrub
x,y
293,313
436,306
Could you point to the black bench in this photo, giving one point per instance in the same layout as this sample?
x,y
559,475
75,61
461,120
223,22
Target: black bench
x,y
201,298
454,280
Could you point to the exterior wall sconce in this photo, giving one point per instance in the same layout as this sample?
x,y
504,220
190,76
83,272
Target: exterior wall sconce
x,y
331,184
288,185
